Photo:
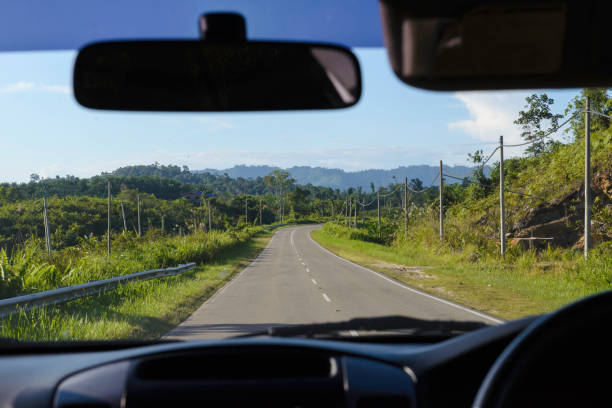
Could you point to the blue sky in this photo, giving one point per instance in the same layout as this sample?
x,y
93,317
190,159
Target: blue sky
x,y
43,130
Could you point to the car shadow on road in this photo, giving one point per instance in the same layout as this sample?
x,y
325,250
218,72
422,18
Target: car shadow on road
x,y
211,331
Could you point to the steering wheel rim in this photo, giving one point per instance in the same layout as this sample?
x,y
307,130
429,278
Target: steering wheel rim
x,y
522,351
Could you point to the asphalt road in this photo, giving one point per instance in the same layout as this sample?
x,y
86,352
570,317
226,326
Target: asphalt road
x,y
295,280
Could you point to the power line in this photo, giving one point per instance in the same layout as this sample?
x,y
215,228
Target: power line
x,y
426,188
365,205
550,132
597,113
391,192
484,185
488,158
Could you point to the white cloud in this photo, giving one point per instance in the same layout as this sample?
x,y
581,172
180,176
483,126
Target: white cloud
x,y
491,114
55,88
24,86
18,87
350,159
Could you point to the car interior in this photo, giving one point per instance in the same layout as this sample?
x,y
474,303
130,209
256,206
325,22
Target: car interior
x,y
555,359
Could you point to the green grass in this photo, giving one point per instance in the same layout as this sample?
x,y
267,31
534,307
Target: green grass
x,y
522,284
140,310
30,269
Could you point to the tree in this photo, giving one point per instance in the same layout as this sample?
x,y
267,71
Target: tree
x,y
481,185
281,181
533,122
600,102
372,187
298,200
415,184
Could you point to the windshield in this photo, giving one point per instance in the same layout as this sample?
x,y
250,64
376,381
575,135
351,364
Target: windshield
x,y
206,225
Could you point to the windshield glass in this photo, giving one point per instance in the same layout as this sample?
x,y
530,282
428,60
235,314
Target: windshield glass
x,y
218,224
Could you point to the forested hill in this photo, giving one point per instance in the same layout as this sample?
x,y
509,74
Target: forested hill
x,y
340,179
171,182
165,182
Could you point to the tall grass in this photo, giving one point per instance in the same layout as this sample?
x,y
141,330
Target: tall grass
x,y
469,270
28,268
139,310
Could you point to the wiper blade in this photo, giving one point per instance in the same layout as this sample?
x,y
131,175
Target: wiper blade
x,y
369,324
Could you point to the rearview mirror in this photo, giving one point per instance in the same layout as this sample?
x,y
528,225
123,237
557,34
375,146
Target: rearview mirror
x,y
210,76
498,44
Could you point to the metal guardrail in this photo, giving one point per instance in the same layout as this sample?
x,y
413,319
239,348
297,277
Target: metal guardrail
x,y
61,295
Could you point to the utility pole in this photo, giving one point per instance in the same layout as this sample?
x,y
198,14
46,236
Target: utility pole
x,y
123,216
355,219
378,209
346,206
587,178
138,205
246,208
46,224
282,204
405,206
362,216
350,211
259,210
162,225
441,211
108,227
502,208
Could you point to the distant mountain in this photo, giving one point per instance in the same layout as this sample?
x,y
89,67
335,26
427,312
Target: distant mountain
x,y
241,171
338,178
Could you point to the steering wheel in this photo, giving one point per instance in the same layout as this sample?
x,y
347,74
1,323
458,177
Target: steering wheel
x,y
561,359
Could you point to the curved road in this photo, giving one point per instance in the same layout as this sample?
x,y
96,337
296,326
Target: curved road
x,y
295,280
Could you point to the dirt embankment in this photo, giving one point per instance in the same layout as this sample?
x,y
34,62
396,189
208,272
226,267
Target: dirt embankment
x,y
563,220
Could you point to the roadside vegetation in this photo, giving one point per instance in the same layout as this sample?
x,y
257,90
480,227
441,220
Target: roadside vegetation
x,y
176,222
30,269
148,309
466,266
217,222
523,283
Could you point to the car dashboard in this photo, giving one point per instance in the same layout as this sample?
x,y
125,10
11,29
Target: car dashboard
x,y
255,371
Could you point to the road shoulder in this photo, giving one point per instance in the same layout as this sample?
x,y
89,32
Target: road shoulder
x,y
457,285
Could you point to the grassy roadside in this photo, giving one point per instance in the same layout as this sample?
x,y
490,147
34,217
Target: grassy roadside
x,y
508,290
143,310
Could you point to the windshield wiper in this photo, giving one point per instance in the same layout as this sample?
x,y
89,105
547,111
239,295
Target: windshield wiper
x,y
407,325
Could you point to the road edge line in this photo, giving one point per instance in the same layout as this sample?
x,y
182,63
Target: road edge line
x,y
403,285
221,289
